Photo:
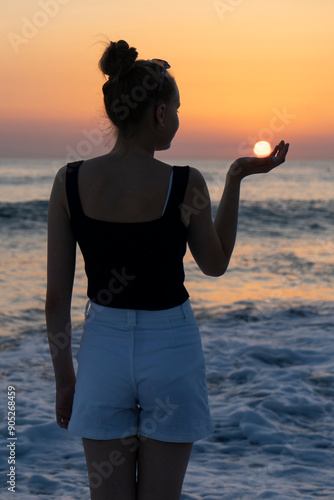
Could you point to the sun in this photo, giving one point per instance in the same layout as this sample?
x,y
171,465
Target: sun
x,y
262,148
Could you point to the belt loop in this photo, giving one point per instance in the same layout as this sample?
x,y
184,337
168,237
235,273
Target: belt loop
x,y
185,309
131,317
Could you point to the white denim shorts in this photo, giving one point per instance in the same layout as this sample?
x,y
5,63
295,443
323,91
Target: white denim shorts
x,y
141,372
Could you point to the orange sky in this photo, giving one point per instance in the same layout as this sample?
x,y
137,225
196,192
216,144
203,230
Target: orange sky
x,y
246,69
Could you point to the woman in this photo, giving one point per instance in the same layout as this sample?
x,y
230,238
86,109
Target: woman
x,y
139,397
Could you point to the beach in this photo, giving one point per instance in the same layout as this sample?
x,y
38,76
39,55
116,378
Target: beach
x,y
267,334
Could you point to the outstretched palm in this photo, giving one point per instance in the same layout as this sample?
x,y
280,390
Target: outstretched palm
x,y
252,165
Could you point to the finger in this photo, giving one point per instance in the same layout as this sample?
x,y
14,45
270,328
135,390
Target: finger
x,y
274,151
63,421
282,154
281,149
63,416
63,426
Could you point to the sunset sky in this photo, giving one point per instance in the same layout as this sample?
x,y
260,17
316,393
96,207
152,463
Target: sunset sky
x,y
246,69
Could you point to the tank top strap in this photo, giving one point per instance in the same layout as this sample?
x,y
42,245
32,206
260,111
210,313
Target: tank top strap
x,y
179,186
72,191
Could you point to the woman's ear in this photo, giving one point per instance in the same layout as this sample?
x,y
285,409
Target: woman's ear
x,y
160,114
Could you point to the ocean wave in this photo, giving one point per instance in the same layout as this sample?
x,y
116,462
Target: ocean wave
x,y
25,180
23,215
271,399
265,218
271,218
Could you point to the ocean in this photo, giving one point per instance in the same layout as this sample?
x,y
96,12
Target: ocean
x,y
267,333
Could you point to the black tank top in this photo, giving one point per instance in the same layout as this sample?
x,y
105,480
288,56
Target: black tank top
x,y
133,265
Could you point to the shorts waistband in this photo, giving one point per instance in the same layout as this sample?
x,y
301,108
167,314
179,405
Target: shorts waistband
x,y
131,317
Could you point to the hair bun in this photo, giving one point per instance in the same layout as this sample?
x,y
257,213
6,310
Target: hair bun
x,y
117,59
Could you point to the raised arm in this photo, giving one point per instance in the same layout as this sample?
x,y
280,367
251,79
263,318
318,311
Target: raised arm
x,y
211,242
60,275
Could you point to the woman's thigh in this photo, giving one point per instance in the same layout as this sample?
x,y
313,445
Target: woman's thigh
x,y
161,469
111,466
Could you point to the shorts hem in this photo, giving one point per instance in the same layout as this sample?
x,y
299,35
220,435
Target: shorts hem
x,y
103,435
180,438
159,436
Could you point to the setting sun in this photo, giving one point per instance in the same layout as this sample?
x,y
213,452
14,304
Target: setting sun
x,y
262,148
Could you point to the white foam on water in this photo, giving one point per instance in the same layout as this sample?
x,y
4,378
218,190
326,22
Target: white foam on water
x,y
271,387
267,330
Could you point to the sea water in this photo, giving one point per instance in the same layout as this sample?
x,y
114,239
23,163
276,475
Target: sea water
x,y
267,333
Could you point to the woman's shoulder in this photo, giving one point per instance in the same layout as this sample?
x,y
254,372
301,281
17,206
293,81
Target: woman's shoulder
x,y
197,192
59,188
196,179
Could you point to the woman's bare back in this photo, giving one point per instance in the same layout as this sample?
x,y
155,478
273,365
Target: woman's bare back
x,y
118,190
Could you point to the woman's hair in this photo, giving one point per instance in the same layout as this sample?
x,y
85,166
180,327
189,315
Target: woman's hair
x,y
132,87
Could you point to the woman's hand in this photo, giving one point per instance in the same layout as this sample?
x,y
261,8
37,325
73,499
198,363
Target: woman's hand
x,y
252,165
64,401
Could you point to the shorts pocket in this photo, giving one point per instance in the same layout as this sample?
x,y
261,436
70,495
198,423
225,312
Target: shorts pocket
x,y
185,332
